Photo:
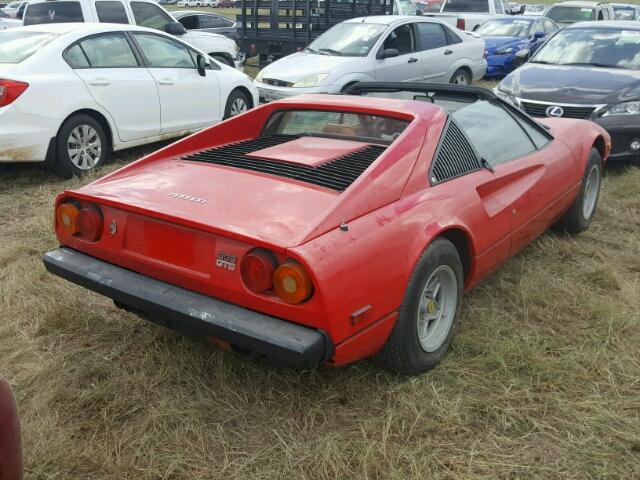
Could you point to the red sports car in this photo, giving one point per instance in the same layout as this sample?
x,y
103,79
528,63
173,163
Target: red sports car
x,y
326,229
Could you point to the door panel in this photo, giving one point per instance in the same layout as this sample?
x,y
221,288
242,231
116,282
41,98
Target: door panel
x,y
406,66
111,73
187,99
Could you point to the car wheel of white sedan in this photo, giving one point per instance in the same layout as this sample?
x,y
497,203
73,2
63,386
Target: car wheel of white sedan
x,y
237,103
461,77
81,146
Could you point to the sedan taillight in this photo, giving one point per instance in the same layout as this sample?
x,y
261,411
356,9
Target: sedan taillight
x,y
10,90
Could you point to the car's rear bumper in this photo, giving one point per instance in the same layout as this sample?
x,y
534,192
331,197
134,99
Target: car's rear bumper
x,y
25,138
193,313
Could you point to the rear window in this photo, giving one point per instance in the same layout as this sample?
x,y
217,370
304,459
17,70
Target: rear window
x,y
355,126
562,14
18,46
53,12
111,12
471,6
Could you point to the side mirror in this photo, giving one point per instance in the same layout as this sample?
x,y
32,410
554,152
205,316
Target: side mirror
x,y
201,63
388,53
175,28
522,56
538,35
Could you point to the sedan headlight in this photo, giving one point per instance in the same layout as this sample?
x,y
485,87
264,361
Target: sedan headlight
x,y
504,51
311,81
506,96
626,108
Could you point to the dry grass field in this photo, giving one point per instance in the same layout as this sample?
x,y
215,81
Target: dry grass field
x,y
543,381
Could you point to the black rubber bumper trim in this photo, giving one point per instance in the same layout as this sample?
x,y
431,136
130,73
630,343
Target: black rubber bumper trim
x,y
193,313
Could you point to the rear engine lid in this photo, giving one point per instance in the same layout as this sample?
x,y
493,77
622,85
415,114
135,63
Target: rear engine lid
x,y
258,199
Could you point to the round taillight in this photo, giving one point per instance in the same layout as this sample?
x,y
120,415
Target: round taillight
x,y
292,282
257,271
90,223
67,217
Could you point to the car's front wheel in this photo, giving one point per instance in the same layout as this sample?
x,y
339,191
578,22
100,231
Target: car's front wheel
x,y
81,145
237,103
583,208
429,312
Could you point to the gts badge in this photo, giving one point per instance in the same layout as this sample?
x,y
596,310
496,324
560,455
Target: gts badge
x,y
226,261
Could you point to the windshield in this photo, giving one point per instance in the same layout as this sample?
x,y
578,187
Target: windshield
x,y
600,47
471,6
14,4
571,14
624,13
504,28
53,12
348,39
18,46
354,126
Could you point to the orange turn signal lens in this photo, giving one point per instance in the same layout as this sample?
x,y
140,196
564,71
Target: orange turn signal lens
x,y
67,217
292,282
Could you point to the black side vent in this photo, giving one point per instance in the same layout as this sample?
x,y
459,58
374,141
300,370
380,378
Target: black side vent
x,y
337,174
455,157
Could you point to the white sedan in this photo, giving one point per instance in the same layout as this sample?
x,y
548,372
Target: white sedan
x,y
388,48
70,94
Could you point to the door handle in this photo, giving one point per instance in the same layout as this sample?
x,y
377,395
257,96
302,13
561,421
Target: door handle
x,y
412,60
448,52
165,81
99,81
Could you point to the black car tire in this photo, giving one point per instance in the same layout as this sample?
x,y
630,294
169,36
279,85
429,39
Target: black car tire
x,y
63,165
235,96
576,220
403,352
461,73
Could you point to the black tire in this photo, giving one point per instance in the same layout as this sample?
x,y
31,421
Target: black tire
x,y
63,165
236,95
222,59
461,73
576,219
403,352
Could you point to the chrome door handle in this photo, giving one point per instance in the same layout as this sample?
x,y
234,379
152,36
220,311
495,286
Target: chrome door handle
x,y
448,52
99,81
165,81
412,60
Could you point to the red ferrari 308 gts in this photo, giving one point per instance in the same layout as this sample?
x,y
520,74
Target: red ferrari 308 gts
x,y
326,229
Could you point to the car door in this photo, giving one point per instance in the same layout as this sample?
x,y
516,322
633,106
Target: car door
x,y
187,99
118,82
434,55
533,174
216,24
405,67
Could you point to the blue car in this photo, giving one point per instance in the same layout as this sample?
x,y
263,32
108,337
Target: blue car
x,y
504,37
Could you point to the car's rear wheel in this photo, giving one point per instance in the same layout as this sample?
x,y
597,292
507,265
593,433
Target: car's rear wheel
x,y
429,313
237,103
82,145
579,216
461,77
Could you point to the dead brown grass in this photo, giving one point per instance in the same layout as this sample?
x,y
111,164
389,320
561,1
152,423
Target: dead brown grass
x,y
543,380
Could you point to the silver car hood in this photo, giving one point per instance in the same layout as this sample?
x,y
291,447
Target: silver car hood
x,y
297,66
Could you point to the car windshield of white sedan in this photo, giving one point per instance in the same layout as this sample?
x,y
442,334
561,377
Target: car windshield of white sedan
x,y
562,14
18,46
348,40
504,28
597,47
353,126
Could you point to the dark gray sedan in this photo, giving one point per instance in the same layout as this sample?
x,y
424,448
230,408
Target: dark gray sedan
x,y
589,70
207,22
